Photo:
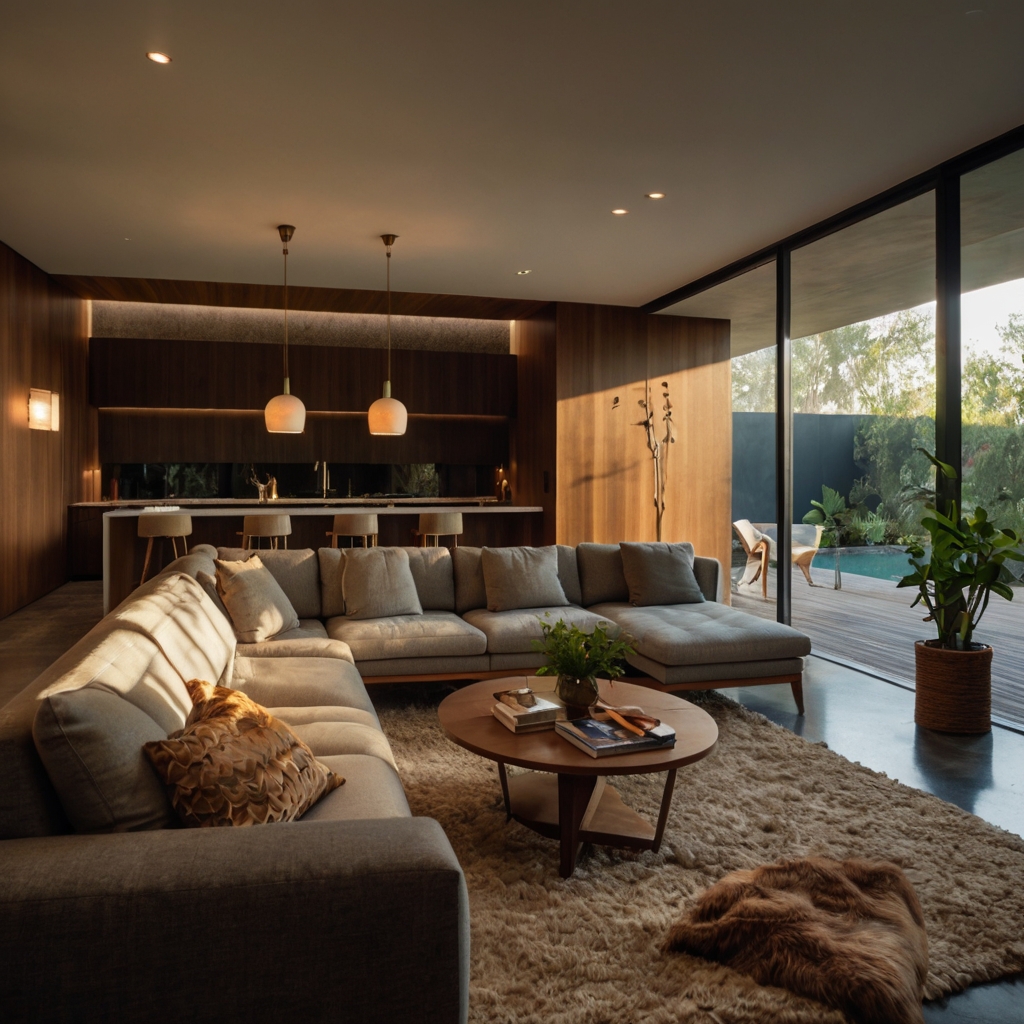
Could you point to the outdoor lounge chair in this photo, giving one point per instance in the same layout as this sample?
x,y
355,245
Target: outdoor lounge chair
x,y
760,549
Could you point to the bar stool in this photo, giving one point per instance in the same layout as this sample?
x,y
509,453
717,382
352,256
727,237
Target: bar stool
x,y
434,525
355,524
163,524
271,527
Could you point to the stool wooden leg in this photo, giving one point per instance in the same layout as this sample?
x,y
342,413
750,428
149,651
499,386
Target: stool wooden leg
x,y
174,546
145,565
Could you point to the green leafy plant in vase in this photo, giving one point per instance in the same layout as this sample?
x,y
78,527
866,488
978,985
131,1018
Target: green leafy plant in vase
x,y
578,658
954,580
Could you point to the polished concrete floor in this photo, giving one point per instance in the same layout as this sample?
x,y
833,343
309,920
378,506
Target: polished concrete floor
x,y
863,718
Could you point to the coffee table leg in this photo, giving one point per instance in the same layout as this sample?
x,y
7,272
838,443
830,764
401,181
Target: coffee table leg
x,y
504,791
574,793
666,801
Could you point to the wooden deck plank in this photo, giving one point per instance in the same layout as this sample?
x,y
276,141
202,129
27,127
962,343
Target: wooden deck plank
x,y
870,622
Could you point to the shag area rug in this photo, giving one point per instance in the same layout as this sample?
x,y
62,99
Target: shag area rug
x,y
590,949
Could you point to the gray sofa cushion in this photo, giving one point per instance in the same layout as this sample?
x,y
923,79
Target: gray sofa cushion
x,y
704,634
378,582
434,575
470,591
427,635
296,570
568,573
372,790
516,662
511,632
258,607
314,682
601,576
521,577
332,569
712,674
660,574
326,738
446,668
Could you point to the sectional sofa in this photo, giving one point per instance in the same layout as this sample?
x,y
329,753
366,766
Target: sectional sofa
x,y
679,646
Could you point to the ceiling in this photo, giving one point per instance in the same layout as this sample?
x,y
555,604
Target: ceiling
x,y
491,137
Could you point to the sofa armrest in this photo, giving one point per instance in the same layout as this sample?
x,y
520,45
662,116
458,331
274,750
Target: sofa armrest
x,y
362,921
708,572
308,647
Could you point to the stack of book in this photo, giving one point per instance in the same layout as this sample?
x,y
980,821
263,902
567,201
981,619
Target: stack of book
x,y
525,711
599,739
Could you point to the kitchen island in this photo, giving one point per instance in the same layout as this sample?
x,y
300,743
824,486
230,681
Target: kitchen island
x,y
218,521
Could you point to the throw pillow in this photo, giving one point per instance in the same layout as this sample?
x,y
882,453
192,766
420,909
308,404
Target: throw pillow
x,y
209,584
235,764
521,577
601,579
258,607
378,582
332,568
295,569
435,581
847,933
660,574
470,592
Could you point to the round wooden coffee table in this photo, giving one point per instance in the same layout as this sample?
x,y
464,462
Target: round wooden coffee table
x,y
565,796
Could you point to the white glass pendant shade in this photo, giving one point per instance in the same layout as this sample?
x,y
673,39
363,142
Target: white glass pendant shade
x,y
387,415
285,414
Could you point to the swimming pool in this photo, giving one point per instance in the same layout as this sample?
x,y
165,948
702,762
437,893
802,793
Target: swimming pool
x,y
882,561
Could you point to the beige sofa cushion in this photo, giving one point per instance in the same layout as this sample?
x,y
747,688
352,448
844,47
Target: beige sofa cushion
x,y
512,632
372,790
659,573
705,634
470,591
235,764
91,724
297,570
521,577
378,582
332,569
258,607
434,577
299,682
208,581
429,634
601,575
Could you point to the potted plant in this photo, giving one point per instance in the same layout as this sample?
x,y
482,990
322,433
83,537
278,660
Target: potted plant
x,y
578,658
955,580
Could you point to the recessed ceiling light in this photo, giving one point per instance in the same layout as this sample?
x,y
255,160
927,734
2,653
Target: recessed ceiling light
x,y
655,195
158,58
522,273
619,213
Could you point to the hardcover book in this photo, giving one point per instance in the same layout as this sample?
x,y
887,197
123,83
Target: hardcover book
x,y
599,739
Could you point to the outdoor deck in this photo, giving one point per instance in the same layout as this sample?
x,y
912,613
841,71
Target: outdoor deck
x,y
869,622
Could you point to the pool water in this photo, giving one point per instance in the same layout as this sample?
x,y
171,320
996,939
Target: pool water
x,y
883,562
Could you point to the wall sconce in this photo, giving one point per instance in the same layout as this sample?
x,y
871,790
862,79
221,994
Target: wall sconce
x,y
43,409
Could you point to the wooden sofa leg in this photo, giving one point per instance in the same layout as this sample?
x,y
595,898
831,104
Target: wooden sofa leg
x,y
798,694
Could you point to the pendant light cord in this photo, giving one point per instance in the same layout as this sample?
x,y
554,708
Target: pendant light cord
x,y
285,250
389,311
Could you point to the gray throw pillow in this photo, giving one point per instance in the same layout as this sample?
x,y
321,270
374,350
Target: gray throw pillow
x,y
434,577
660,574
521,577
258,607
332,568
470,591
601,578
378,582
295,569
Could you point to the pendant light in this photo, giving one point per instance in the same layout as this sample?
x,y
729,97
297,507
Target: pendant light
x,y
387,416
285,414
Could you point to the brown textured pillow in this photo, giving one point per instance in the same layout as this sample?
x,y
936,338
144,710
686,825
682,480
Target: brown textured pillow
x,y
235,764
258,607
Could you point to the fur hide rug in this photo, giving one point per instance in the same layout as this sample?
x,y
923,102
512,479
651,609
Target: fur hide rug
x,y
591,949
847,933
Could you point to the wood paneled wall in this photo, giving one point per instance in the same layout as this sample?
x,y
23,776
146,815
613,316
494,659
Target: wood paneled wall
x,y
533,449
150,394
608,360
43,344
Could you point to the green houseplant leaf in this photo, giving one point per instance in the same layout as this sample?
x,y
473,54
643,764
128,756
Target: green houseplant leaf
x,y
577,654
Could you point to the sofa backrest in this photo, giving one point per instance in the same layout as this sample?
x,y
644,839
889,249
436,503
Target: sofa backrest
x,y
296,571
471,593
86,717
602,580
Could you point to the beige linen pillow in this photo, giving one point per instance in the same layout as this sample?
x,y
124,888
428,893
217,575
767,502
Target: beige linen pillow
x,y
521,577
258,607
209,584
659,573
235,764
378,582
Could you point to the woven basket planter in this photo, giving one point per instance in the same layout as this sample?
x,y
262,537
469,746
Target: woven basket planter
x,y
953,688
